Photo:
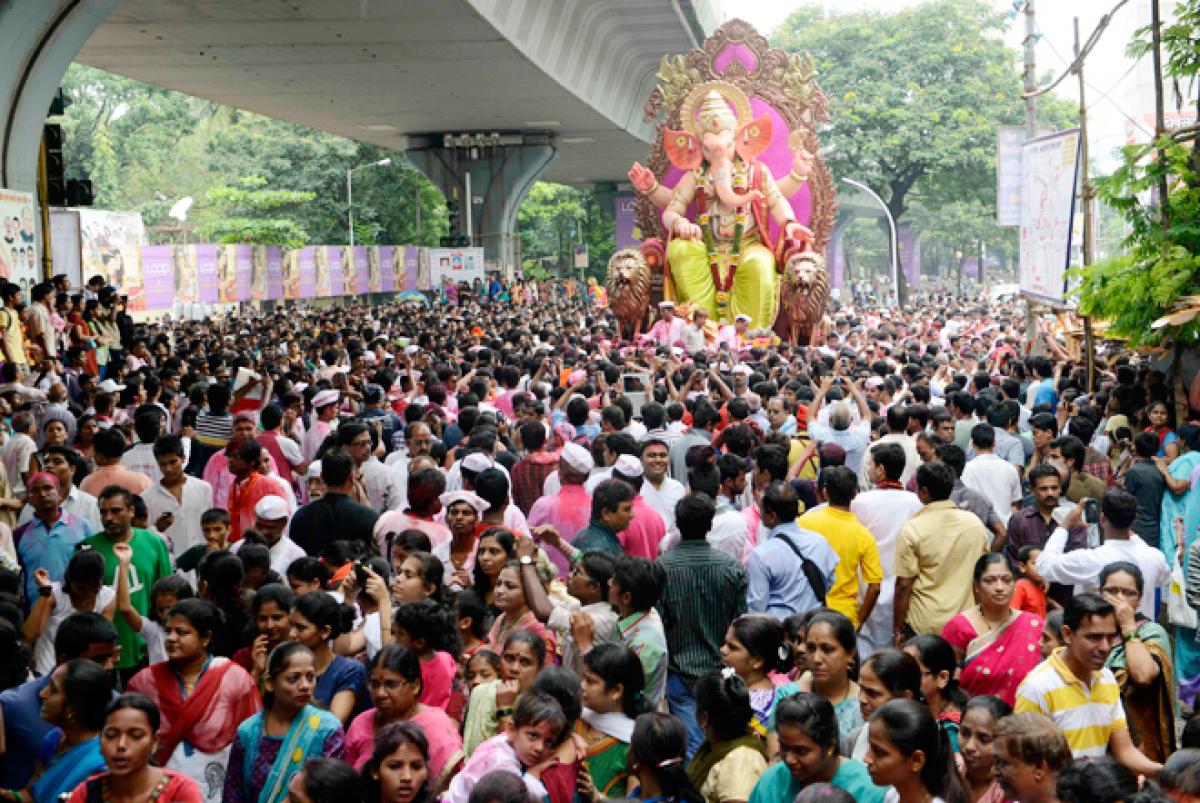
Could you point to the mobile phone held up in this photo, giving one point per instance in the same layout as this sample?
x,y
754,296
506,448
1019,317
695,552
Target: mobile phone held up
x,y
1091,511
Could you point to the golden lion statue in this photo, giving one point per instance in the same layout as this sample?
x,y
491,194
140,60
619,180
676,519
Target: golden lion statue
x,y
628,286
803,294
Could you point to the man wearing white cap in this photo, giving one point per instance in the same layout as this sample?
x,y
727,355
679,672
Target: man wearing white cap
x,y
325,404
271,521
568,510
733,334
667,329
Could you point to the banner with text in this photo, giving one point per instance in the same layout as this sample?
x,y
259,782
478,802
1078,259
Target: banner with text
x,y
456,264
1050,175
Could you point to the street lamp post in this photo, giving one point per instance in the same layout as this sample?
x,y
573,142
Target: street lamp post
x,y
350,191
894,254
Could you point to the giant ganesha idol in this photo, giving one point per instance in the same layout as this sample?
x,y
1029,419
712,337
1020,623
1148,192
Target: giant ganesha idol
x,y
735,109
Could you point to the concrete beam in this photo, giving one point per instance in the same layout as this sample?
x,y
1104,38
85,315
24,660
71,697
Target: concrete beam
x,y
501,176
38,41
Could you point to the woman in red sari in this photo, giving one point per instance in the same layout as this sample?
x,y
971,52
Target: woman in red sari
x,y
202,698
996,644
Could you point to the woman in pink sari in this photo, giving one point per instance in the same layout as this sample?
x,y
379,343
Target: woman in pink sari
x,y
996,644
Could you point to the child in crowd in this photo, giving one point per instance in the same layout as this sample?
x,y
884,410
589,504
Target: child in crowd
x,y
307,574
1030,592
483,666
612,699
471,613
428,629
163,594
522,749
215,526
1051,633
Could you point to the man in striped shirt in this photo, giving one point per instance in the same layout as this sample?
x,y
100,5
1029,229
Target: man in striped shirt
x,y
703,592
1078,693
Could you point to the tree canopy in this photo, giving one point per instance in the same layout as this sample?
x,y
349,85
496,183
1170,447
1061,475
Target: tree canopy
x,y
915,100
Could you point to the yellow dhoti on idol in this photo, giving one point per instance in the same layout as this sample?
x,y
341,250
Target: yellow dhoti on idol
x,y
753,289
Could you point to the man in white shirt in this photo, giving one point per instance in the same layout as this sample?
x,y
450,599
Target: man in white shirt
x,y
897,425
883,511
271,517
176,502
140,457
693,335
660,491
1081,567
988,474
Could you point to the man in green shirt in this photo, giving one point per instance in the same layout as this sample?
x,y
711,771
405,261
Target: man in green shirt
x,y
151,562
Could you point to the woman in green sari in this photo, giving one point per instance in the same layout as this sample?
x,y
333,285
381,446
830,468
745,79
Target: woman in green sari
x,y
274,744
732,757
1141,663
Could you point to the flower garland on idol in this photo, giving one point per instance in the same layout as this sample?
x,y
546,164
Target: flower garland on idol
x,y
723,284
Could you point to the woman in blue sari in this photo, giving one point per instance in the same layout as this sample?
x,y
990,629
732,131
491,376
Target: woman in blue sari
x,y
274,744
1182,501
74,702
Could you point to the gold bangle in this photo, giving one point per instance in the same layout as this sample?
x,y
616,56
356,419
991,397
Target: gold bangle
x,y
792,174
652,189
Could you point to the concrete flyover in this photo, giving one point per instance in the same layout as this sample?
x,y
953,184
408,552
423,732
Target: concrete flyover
x,y
542,88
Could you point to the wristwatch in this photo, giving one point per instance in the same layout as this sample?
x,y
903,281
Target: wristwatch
x,y
525,560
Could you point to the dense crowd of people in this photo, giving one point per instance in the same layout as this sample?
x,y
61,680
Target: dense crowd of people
x,y
483,550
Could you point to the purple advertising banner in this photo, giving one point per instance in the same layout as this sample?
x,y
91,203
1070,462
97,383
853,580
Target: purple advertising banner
x,y
625,216
335,284
306,273
910,254
412,268
970,268
258,274
375,268
206,273
243,271
836,258
387,268
274,272
158,273
362,277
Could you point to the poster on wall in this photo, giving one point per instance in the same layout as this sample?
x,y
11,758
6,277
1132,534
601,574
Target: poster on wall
x,y
227,271
110,245
361,271
306,273
424,269
244,267
258,274
64,244
186,274
411,278
291,273
375,268
1050,174
456,264
20,252
335,282
274,273
628,235
158,272
206,273
386,255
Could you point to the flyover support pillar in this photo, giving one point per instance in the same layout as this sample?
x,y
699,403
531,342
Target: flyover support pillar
x,y
502,168
38,41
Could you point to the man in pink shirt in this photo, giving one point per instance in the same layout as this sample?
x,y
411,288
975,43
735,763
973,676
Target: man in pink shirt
x,y
571,508
667,329
641,538
425,488
734,334
109,446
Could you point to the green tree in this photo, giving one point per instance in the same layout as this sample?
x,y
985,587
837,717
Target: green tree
x,y
915,98
253,214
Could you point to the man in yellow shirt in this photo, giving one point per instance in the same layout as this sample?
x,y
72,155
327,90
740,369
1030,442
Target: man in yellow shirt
x,y
858,557
935,551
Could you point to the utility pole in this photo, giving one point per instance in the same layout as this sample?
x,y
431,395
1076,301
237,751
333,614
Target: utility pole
x,y
1030,132
1087,194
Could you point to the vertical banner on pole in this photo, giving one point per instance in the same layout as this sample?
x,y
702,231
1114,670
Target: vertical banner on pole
x,y
158,274
274,273
207,275
910,254
1050,175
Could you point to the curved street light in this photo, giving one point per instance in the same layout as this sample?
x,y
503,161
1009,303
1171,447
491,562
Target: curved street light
x,y
895,244
350,192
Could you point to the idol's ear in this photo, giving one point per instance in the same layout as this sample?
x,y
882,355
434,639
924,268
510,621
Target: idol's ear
x,y
753,138
682,149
